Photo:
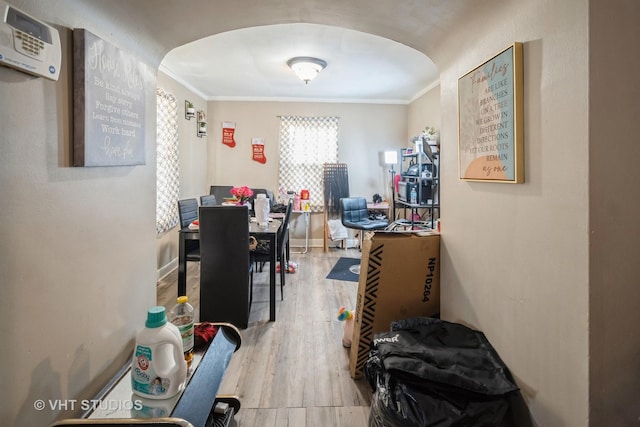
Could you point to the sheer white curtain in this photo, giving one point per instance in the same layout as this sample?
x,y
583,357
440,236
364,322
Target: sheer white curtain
x,y
306,143
168,166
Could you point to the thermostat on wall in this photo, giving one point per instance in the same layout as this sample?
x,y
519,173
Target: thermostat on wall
x,y
28,44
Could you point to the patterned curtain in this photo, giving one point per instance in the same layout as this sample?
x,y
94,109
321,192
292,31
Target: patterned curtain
x,y
167,169
306,143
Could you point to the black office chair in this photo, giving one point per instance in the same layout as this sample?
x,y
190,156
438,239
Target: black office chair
x,y
188,212
208,200
354,214
261,255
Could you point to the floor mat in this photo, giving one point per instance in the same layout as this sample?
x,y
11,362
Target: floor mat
x,y
346,269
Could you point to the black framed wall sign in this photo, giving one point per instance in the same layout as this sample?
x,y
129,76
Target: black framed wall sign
x,y
490,119
108,104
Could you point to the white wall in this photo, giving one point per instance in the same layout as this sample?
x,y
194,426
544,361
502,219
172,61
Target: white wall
x,y
77,258
366,131
515,257
424,111
546,268
614,203
193,166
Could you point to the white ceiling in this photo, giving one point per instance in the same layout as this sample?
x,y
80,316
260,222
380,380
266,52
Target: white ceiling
x,y
250,64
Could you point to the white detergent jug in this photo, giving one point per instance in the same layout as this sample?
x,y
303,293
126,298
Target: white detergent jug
x,y
262,209
158,369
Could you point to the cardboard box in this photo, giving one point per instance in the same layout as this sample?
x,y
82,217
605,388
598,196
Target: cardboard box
x,y
399,279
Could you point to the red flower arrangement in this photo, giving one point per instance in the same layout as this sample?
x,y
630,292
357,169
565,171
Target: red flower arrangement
x,y
242,194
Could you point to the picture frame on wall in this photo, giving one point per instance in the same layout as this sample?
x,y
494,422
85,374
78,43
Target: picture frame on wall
x,y
109,100
490,119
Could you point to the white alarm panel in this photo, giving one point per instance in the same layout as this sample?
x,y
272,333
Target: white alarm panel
x,y
28,44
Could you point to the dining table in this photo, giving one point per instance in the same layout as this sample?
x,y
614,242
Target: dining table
x,y
260,232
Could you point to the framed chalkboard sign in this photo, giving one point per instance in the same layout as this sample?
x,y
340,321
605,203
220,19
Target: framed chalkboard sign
x,y
490,119
108,104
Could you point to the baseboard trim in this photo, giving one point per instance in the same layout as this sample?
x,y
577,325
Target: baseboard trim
x,y
167,268
319,243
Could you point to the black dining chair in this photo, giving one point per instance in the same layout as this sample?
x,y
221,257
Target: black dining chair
x,y
221,192
261,255
208,200
354,214
188,212
226,274
268,193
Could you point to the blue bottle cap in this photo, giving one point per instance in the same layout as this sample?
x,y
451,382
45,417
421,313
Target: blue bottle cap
x,y
156,317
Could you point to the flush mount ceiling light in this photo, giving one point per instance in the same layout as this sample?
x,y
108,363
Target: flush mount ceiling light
x,y
306,68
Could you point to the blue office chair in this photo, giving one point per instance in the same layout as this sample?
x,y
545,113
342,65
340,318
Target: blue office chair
x,y
354,214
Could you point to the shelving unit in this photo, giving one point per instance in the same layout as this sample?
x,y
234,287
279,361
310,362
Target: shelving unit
x,y
420,169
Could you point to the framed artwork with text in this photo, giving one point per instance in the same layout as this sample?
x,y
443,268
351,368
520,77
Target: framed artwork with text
x,y
108,103
490,119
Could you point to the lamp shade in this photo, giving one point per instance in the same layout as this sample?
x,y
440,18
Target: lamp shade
x,y
390,157
306,67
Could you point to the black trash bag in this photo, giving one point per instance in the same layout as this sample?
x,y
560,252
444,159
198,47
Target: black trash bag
x,y
428,372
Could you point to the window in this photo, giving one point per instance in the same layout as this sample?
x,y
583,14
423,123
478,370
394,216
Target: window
x,y
306,143
168,166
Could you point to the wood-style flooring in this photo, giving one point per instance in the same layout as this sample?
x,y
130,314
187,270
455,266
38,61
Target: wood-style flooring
x,y
294,371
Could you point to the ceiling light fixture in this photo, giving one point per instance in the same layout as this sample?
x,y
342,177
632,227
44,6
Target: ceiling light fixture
x,y
306,68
